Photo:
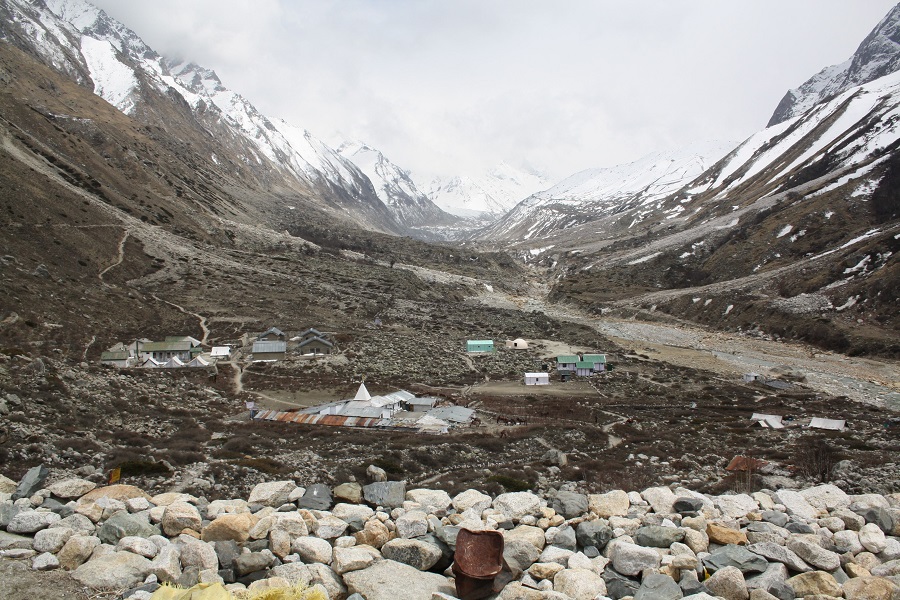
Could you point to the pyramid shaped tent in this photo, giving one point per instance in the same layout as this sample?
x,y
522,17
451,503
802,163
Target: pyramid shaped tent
x,y
362,393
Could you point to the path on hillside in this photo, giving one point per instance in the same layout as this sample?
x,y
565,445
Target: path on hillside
x,y
182,309
120,256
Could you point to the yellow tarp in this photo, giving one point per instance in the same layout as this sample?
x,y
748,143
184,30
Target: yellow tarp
x,y
216,591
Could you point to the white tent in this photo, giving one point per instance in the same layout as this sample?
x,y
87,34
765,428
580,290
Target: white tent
x,y
174,363
220,351
773,421
362,393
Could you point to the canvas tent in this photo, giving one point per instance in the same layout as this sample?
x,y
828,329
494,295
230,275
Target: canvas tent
x,y
768,421
832,424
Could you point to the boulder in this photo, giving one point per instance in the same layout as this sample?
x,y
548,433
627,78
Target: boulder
x,y
348,492
580,584
166,565
179,516
71,488
471,500
719,534
330,527
31,482
728,583
631,559
528,533
432,501
376,474
389,494
312,575
593,533
814,554
45,562
815,582
51,540
351,559
31,521
137,545
272,493
414,553
119,492
519,555
516,505
412,524
355,515
545,570
390,580
76,551
796,504
316,497
312,549
569,504
661,499
735,506
374,534
872,538
735,556
825,498
658,587
775,552
773,581
657,536
123,524
251,562
118,570
229,526
870,588
610,504
195,553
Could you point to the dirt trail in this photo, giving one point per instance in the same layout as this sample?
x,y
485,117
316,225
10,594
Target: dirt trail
x,y
201,318
120,257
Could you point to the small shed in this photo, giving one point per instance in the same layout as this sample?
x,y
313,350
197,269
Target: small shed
x,y
163,351
479,345
269,350
220,352
422,404
315,346
832,424
537,379
120,359
517,344
272,334
751,377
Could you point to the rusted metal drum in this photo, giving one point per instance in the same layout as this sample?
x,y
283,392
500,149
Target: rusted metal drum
x,y
477,561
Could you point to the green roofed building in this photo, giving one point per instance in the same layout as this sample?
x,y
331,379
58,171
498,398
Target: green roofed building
x,y
163,351
566,363
479,345
599,361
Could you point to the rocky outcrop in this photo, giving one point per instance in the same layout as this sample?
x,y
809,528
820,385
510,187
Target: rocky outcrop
x,y
659,543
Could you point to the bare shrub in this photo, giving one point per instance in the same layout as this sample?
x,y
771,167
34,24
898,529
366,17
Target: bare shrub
x,y
815,460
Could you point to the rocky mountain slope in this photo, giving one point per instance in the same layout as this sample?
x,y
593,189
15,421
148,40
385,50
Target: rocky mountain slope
x,y
878,55
596,193
794,233
82,42
412,208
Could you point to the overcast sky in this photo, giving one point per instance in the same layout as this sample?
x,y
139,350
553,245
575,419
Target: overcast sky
x,y
456,86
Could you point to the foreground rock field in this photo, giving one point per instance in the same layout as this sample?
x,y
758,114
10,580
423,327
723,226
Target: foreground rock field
x,y
383,541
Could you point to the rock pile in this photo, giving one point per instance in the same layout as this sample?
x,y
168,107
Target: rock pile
x,y
382,541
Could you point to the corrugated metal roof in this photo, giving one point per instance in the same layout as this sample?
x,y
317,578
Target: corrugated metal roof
x,y
371,412
220,351
423,401
316,339
392,398
566,359
274,330
596,358
114,356
833,424
330,420
263,347
456,414
543,375
584,364
773,421
165,347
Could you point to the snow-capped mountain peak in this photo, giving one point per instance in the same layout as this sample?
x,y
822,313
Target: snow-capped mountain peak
x,y
493,193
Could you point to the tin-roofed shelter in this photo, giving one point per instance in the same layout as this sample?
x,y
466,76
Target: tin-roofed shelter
x,y
537,379
163,351
768,421
479,345
598,360
220,352
566,362
120,359
269,350
422,404
272,334
315,346
453,414
832,424
310,333
183,338
584,368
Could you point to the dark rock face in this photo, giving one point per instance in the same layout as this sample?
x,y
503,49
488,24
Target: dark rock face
x,y
32,481
389,494
594,533
317,497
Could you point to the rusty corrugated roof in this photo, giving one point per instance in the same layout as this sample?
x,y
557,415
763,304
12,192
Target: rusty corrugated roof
x,y
745,463
331,420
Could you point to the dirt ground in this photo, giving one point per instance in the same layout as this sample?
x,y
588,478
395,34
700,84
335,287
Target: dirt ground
x,y
19,582
517,388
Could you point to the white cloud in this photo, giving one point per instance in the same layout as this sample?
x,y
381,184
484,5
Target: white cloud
x,y
456,86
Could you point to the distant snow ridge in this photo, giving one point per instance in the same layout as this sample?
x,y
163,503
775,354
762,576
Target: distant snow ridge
x,y
878,55
493,193
594,193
